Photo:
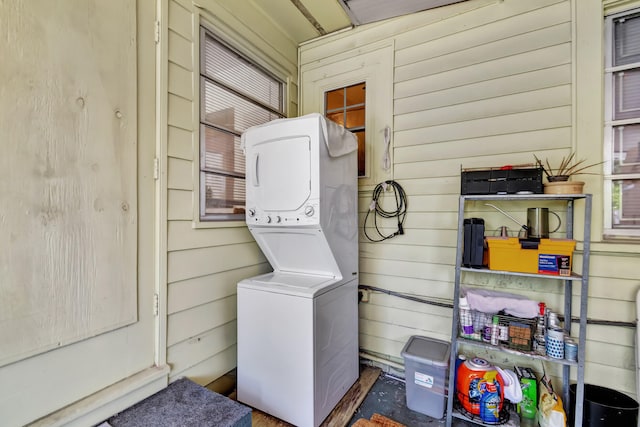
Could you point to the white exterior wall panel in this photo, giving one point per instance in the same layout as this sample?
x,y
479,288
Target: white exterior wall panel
x,y
481,84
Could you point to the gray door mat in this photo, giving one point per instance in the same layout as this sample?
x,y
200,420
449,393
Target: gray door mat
x,y
184,404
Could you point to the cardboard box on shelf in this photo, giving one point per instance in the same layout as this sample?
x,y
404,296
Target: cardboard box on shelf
x,y
529,384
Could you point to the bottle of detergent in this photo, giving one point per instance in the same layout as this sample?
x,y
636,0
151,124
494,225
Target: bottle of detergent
x,y
490,403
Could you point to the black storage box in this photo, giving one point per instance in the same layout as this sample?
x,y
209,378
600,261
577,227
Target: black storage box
x,y
502,181
473,251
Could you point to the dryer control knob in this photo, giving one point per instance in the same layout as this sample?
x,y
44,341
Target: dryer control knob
x,y
268,220
252,212
309,211
278,219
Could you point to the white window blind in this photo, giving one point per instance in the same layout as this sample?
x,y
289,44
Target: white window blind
x,y
622,125
235,94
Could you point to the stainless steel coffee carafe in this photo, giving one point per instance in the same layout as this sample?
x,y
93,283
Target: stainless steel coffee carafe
x,y
538,223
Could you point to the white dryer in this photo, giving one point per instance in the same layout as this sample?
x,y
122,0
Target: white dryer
x,y
298,326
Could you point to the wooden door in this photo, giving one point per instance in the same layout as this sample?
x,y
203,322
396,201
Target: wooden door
x,y
374,69
77,205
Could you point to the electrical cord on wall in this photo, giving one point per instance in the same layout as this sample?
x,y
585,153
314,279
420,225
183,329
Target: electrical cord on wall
x,y
400,211
409,297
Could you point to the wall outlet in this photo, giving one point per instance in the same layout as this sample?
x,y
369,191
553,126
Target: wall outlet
x,y
365,295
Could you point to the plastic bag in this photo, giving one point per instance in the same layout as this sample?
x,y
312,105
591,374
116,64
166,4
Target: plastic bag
x,y
550,410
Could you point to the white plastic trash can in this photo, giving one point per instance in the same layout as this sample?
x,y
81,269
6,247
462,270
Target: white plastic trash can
x,y
426,362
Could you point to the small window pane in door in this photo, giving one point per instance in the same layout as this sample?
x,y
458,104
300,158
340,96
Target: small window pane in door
x,y
335,100
337,117
355,94
355,118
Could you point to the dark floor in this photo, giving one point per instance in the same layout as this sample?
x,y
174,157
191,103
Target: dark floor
x,y
388,397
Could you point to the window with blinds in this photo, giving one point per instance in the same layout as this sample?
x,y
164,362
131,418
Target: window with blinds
x,y
622,125
235,94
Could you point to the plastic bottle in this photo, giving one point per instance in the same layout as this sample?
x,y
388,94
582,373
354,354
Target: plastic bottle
x,y
490,404
495,331
552,320
539,341
503,334
486,331
459,361
466,320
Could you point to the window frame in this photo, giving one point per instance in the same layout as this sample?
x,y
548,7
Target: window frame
x,y
204,31
610,125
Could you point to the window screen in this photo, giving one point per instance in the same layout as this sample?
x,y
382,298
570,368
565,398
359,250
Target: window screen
x,y
626,40
235,94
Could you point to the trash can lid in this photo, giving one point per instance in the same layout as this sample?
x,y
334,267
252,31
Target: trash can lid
x,y
427,350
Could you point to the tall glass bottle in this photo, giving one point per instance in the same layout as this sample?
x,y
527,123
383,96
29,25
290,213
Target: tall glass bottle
x,y
539,341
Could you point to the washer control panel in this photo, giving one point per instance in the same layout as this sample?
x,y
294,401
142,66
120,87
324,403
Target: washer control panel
x,y
306,215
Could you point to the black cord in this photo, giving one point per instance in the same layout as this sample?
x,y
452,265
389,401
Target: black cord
x,y
400,212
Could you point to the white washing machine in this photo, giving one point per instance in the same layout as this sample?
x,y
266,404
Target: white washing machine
x,y
298,326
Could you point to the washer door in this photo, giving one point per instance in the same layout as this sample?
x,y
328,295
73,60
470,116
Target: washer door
x,y
279,173
302,250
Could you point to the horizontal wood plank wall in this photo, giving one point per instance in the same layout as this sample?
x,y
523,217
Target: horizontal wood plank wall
x,y
477,84
204,264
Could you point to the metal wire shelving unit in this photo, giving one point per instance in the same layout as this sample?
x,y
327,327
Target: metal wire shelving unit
x,y
582,279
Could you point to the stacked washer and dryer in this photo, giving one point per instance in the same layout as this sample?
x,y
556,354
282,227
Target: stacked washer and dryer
x,y
298,326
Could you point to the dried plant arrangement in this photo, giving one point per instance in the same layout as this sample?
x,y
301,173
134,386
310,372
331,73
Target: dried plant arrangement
x,y
566,169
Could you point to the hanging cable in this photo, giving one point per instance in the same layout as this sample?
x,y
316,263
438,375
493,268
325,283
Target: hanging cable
x,y
400,211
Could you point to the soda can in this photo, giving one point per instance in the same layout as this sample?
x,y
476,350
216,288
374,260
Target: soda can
x,y
570,350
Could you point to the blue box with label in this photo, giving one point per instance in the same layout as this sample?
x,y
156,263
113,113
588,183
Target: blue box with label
x,y
554,264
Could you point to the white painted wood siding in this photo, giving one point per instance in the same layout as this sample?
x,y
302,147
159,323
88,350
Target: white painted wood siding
x,y
67,177
206,261
480,83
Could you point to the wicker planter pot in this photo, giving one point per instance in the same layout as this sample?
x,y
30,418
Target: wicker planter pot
x,y
563,187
